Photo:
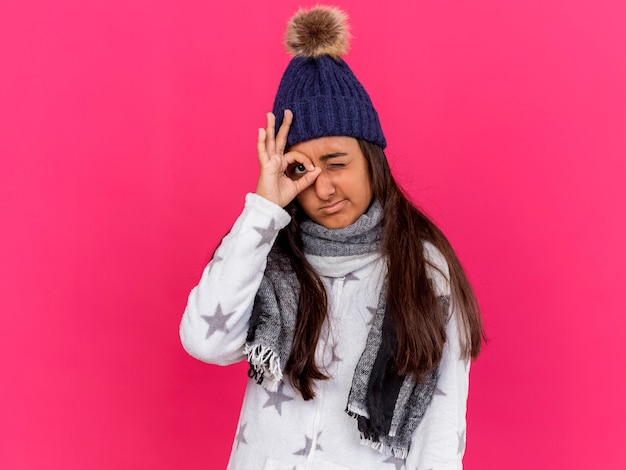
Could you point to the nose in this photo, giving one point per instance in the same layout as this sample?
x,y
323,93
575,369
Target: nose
x,y
324,186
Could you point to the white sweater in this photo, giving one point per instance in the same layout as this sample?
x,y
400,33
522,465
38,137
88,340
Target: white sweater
x,y
281,431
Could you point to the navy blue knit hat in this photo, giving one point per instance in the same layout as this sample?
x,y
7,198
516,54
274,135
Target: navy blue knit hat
x,y
318,86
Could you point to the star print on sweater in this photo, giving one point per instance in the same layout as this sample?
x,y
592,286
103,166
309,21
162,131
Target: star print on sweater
x,y
267,234
277,398
240,438
217,322
461,442
335,357
398,462
372,311
307,445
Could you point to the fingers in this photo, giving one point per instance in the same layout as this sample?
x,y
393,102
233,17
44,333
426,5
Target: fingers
x,y
260,145
270,142
281,138
307,179
300,170
298,157
275,143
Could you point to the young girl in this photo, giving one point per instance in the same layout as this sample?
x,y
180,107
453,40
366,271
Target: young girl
x,y
349,304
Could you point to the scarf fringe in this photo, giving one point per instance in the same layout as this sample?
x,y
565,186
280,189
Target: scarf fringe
x,y
264,366
383,448
356,412
399,452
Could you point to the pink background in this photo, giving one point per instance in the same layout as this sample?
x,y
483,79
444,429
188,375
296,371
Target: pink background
x,y
127,143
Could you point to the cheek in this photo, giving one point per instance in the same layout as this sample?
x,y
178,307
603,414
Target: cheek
x,y
366,196
364,189
306,200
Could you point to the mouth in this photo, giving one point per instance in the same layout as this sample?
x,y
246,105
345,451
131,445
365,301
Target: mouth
x,y
333,208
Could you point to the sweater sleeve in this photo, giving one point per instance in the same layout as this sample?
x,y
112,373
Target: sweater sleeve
x,y
215,322
439,440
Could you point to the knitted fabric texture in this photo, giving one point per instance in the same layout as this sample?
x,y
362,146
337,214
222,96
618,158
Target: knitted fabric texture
x,y
387,407
326,100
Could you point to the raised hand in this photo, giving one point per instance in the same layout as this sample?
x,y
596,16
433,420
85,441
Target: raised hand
x,y
283,175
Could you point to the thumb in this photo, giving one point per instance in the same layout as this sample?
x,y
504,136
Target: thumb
x,y
307,179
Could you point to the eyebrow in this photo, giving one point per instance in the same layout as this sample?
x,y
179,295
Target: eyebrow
x,y
323,158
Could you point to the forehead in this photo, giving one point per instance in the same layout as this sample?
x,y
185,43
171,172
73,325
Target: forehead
x,y
328,145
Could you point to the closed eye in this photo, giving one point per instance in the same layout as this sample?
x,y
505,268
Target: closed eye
x,y
336,166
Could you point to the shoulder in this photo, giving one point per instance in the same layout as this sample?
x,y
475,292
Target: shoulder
x,y
437,269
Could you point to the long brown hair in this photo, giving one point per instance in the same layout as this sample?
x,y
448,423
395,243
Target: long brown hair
x,y
411,301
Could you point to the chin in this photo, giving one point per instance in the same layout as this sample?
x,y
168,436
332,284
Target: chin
x,y
336,223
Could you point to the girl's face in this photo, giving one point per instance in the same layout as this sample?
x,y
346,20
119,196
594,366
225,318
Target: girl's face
x,y
343,191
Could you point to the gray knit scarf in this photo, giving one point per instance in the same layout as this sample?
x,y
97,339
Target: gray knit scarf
x,y
387,407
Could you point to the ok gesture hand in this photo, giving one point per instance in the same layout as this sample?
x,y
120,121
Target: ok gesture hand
x,y
274,183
